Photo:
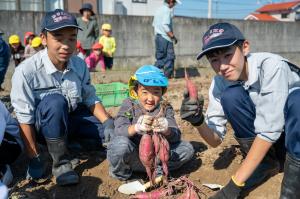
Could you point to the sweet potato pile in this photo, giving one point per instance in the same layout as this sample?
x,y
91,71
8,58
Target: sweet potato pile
x,y
182,187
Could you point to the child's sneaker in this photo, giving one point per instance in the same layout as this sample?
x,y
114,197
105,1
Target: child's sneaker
x,y
6,176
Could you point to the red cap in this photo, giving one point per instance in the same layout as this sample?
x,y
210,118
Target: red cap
x,y
78,44
97,46
27,34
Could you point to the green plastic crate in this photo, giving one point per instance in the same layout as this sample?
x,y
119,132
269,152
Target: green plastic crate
x,y
112,94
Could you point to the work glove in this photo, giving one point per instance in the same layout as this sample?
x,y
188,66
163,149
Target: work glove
x,y
144,124
230,191
191,110
174,39
35,168
160,125
109,128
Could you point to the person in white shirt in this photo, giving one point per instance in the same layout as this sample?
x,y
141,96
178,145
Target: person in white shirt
x,y
257,94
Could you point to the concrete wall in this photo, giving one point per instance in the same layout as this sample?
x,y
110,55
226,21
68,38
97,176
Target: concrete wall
x,y
135,38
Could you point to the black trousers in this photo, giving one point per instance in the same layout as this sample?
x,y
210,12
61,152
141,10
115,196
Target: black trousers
x,y
9,150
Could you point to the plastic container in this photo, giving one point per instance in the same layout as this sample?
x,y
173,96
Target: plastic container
x,y
112,94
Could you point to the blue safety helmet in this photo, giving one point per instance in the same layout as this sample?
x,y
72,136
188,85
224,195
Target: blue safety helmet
x,y
147,75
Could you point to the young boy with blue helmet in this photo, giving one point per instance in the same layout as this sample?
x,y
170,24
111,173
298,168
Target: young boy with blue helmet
x,y
257,93
147,87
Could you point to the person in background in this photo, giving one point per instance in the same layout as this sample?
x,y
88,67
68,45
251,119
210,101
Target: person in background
x,y
164,37
29,51
28,37
79,51
95,58
36,44
16,49
4,59
90,29
109,45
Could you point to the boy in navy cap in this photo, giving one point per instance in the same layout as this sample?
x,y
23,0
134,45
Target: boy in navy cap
x,y
53,98
257,94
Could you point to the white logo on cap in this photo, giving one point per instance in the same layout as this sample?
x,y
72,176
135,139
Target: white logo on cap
x,y
59,16
213,33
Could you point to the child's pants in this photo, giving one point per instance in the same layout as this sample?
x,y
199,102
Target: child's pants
x,y
165,55
240,112
108,62
123,157
54,121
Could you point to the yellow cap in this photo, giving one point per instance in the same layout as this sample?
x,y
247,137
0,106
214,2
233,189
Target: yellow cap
x,y
14,39
106,26
131,85
36,42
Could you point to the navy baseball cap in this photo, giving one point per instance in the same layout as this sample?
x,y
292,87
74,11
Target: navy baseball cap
x,y
220,35
58,19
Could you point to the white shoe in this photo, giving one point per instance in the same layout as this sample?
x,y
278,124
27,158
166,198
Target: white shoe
x,y
7,176
3,191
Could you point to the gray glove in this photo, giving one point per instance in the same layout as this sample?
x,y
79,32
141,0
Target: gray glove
x,y
109,128
191,110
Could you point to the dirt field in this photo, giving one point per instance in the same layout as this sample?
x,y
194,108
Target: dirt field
x,y
209,165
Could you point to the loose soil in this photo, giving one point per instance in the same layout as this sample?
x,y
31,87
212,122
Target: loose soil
x,y
209,165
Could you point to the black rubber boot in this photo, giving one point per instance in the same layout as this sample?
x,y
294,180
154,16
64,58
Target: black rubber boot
x,y
62,167
268,167
290,186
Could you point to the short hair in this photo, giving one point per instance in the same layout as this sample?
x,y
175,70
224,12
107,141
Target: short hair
x,y
137,83
238,44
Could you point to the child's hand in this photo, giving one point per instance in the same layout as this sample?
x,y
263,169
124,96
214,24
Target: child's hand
x,y
144,124
160,125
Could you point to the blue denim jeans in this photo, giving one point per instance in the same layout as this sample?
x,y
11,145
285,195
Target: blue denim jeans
x,y
123,157
292,124
54,121
165,55
240,112
4,59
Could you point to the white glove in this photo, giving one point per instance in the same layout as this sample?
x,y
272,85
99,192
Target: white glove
x,y
160,125
144,124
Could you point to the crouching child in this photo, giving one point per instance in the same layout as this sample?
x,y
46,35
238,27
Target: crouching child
x,y
147,87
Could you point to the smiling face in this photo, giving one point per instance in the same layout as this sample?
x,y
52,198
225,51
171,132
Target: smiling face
x,y
230,62
149,96
61,45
